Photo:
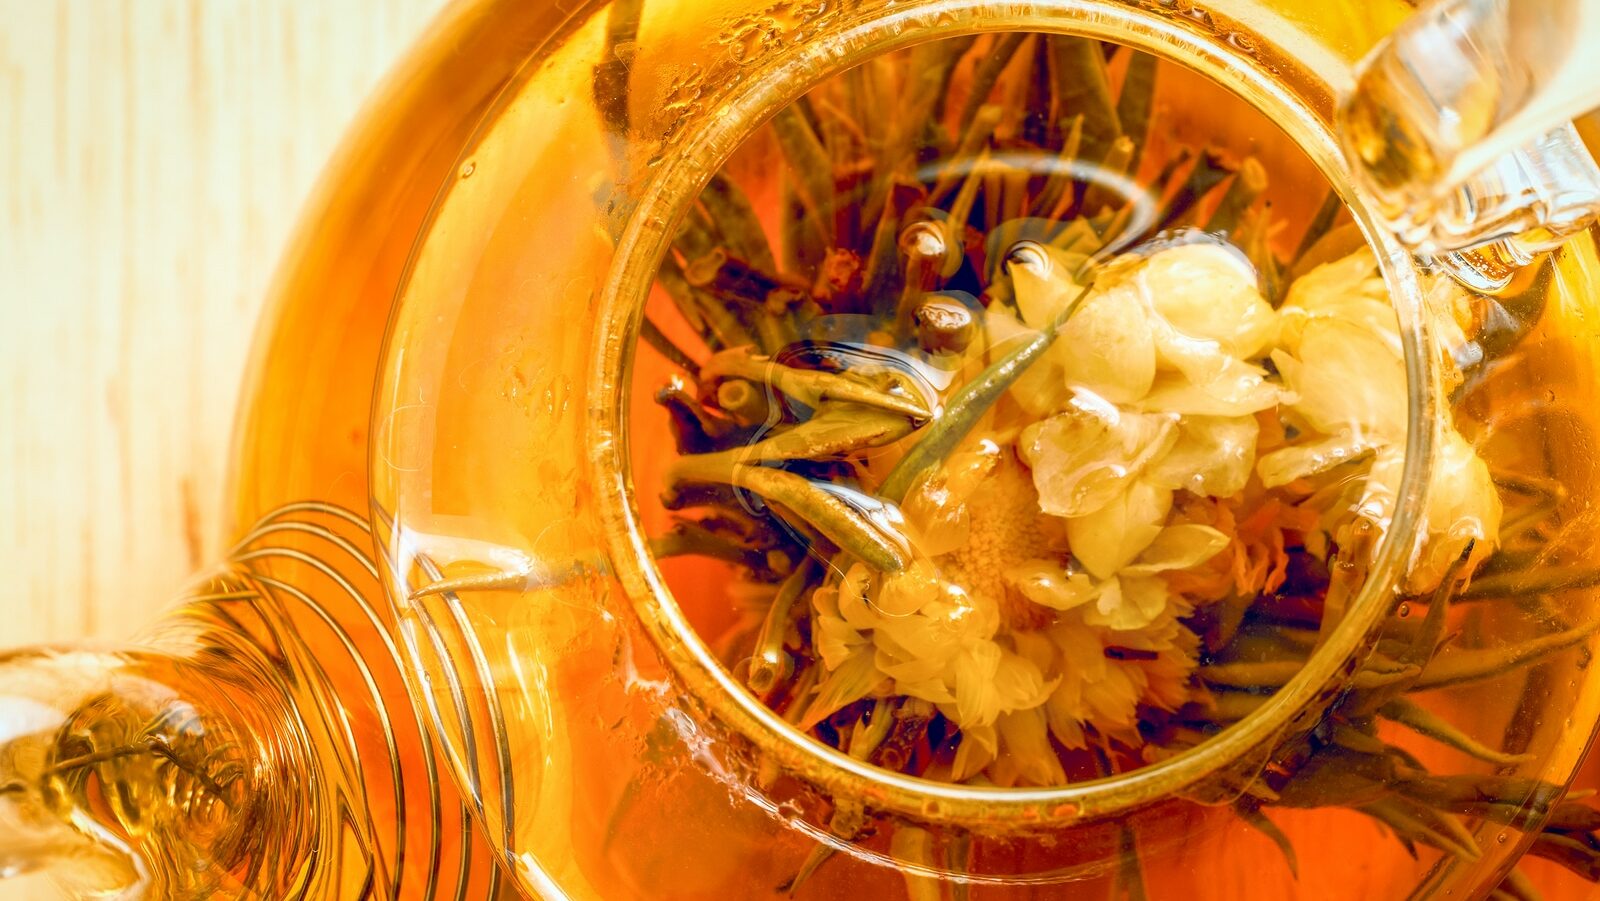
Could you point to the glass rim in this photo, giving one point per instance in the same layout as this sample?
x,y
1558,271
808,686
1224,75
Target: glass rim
x,y
1240,746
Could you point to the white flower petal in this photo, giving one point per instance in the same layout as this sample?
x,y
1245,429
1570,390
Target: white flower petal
x,y
853,680
1376,497
1209,291
977,700
976,751
1066,714
853,593
1037,647
901,664
1114,700
1179,547
1211,457
1284,465
1207,382
1138,602
1463,506
1110,538
1045,583
931,690
1107,347
1026,755
936,508
1350,290
1085,456
1080,648
836,641
907,591
1346,378
1019,684
1041,293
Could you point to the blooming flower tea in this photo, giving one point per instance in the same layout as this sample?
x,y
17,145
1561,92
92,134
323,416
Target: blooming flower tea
x,y
1027,431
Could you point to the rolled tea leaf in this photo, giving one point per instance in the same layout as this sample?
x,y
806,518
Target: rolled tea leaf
x,y
835,430
1058,194
1247,186
736,219
1100,194
928,74
811,168
1425,826
1534,581
813,387
883,267
1083,87
1454,667
1251,814
974,140
688,539
985,74
770,664
1207,172
653,336
1136,102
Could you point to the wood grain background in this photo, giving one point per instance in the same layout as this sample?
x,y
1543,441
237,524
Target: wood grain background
x,y
153,158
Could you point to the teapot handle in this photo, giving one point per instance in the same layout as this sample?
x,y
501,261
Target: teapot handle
x,y
1459,132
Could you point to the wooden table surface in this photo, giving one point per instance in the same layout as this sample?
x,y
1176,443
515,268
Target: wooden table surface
x,y
153,158
154,155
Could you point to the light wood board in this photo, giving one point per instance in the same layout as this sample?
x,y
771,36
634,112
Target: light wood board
x,y
153,158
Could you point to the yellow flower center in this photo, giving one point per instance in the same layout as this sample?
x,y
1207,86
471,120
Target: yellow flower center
x,y
1006,531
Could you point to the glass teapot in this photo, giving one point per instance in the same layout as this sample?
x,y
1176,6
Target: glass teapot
x,y
939,449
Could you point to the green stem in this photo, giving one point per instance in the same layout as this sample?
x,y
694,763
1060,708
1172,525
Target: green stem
x,y
968,406
1544,580
771,664
827,512
1083,87
812,170
1417,718
1326,215
653,336
1456,667
1248,185
1136,103
985,75
736,218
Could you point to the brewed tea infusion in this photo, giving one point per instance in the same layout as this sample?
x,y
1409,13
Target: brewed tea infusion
x,y
1023,440
927,449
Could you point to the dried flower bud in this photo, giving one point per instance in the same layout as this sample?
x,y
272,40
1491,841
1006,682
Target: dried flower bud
x,y
944,326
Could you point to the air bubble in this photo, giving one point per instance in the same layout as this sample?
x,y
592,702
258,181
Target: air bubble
x,y
1029,255
923,239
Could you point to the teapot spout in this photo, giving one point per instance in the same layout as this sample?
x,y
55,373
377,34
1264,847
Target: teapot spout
x,y
1459,131
122,777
